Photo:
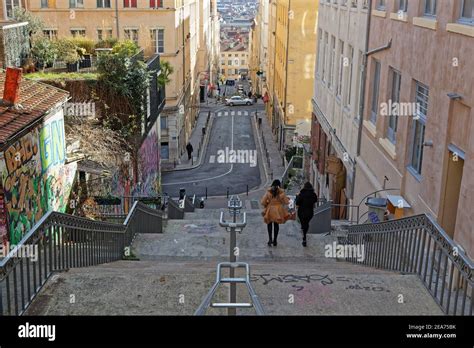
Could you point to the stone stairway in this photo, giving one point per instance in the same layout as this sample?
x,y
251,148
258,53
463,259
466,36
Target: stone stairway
x,y
177,268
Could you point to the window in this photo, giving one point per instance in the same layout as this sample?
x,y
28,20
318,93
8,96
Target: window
x,y
430,8
78,32
165,151
44,3
103,34
360,82
156,3
320,52
419,124
163,122
402,5
223,71
381,5
341,69
348,96
374,107
395,97
10,5
131,34
51,34
158,40
76,3
229,62
325,47
103,3
331,61
467,12
129,3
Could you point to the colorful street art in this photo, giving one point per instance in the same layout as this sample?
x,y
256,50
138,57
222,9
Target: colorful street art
x,y
149,180
34,176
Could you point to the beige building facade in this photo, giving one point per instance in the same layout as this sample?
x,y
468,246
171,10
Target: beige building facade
x,y
292,54
418,124
336,101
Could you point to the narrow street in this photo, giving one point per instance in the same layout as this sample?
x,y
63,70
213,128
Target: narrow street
x,y
232,129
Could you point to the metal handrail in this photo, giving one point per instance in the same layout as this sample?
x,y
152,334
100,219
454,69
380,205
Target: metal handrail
x,y
235,207
59,242
419,245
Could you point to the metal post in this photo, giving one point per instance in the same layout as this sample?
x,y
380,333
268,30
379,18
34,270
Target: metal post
x,y
235,204
227,192
247,190
206,192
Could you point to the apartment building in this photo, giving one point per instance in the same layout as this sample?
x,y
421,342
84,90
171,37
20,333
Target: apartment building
x,y
259,50
292,43
342,40
178,30
418,119
235,62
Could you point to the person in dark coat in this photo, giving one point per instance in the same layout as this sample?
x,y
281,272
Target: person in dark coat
x,y
189,149
305,202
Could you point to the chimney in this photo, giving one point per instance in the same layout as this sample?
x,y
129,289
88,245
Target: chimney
x,y
12,86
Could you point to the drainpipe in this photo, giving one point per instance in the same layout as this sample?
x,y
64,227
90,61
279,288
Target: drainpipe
x,y
364,80
117,19
286,74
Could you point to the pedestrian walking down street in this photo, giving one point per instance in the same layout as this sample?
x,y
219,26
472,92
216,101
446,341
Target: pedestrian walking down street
x,y
250,94
275,213
305,202
189,149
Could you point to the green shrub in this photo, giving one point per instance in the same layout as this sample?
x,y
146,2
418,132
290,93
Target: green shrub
x,y
44,51
85,43
107,43
67,50
127,48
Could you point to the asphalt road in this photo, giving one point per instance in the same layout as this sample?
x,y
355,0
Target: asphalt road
x,y
231,130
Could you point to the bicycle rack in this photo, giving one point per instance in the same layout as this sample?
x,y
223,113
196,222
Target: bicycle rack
x,y
234,205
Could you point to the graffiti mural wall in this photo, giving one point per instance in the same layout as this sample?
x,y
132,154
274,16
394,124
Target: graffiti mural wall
x,y
35,177
149,179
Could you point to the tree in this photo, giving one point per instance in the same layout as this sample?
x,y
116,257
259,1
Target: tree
x,y
166,70
35,24
44,51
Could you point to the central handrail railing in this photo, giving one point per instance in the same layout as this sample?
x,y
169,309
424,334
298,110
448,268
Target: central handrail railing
x,y
235,207
418,245
60,242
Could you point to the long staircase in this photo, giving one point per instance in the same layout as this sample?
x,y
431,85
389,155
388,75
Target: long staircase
x,y
169,265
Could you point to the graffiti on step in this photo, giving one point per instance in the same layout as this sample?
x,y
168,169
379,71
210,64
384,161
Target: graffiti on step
x,y
366,284
296,281
299,282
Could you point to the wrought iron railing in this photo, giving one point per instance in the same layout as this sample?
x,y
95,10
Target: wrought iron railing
x,y
420,246
60,242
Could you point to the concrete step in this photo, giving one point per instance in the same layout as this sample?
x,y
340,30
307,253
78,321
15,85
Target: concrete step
x,y
206,240
285,288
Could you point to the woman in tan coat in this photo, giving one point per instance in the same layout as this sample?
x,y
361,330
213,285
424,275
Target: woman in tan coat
x,y
275,212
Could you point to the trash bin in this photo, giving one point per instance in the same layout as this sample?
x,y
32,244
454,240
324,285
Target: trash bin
x,y
377,207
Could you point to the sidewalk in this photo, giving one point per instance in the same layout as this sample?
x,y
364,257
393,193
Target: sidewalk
x,y
196,141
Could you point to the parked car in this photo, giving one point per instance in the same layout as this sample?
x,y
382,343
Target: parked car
x,y
238,100
230,83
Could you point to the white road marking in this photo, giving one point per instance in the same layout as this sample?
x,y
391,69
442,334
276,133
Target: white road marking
x,y
215,177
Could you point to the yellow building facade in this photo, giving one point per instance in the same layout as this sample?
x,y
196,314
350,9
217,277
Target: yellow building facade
x,y
290,75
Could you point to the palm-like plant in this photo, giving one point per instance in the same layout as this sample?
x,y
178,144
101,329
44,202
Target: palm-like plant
x,y
166,70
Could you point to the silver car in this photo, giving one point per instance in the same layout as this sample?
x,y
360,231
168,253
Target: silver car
x,y
238,100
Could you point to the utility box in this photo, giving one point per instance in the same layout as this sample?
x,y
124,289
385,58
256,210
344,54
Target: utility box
x,y
377,207
397,206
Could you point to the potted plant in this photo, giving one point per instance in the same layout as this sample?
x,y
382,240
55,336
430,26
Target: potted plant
x,y
72,60
68,53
